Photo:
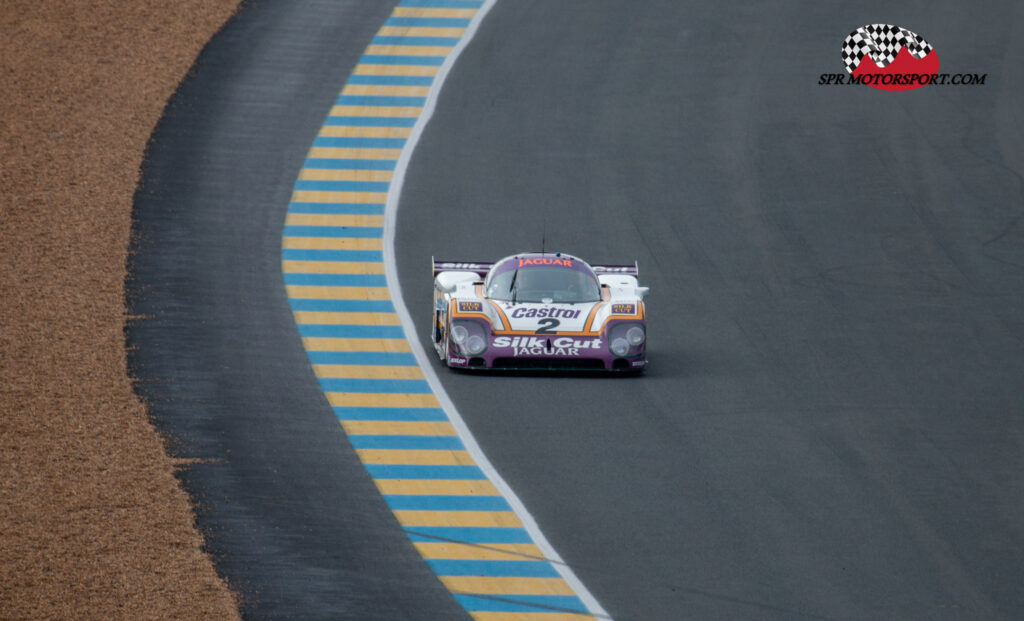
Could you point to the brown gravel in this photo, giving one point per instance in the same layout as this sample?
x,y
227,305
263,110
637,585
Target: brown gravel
x,y
92,521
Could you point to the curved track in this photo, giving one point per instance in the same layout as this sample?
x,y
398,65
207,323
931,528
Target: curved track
x,y
831,424
830,427
290,515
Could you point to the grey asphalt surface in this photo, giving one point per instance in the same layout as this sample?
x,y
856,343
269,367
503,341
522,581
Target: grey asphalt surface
x,y
831,426
290,515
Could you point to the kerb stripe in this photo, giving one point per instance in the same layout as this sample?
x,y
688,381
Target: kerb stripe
x,y
337,262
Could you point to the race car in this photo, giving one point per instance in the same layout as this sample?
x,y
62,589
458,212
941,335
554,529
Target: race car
x,y
539,310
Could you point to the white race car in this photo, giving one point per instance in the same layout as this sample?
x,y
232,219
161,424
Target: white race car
x,y
539,311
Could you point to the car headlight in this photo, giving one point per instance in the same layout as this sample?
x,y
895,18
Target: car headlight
x,y
626,339
459,334
620,347
470,336
475,344
635,335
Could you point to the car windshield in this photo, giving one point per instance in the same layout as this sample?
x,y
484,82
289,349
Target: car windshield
x,y
544,284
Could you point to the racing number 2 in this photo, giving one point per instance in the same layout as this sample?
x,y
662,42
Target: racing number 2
x,y
547,326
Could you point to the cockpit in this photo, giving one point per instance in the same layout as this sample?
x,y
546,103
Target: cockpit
x,y
542,278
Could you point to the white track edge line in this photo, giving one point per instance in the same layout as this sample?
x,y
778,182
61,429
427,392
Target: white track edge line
x,y
395,290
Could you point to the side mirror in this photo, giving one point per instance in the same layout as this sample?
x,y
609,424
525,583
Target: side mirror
x,y
641,292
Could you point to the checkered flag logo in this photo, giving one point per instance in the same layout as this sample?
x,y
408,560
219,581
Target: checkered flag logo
x,y
882,42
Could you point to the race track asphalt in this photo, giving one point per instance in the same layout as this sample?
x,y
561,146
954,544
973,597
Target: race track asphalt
x,y
831,426
290,515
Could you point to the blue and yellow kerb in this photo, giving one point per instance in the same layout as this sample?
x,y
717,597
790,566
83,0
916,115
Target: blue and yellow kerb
x,y
334,274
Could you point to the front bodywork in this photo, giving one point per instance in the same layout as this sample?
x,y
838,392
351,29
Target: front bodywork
x,y
604,331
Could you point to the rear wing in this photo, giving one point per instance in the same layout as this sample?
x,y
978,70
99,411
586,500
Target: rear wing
x,y
454,266
482,268
632,270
